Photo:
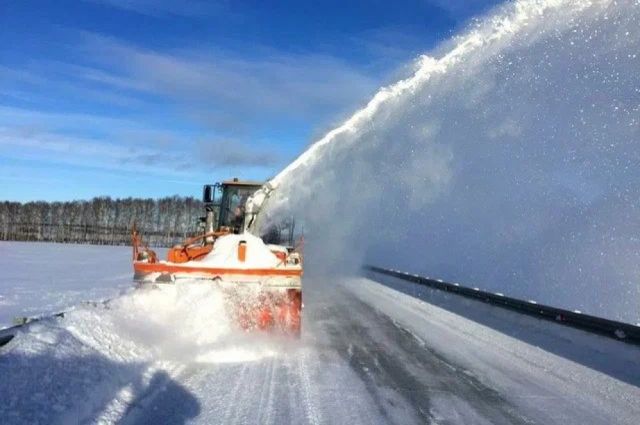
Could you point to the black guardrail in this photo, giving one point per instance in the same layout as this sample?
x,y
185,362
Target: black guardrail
x,y
618,330
4,339
7,334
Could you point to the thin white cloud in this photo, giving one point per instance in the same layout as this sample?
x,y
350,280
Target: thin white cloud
x,y
159,101
54,138
56,80
462,8
161,8
76,122
29,143
79,139
226,92
229,153
223,84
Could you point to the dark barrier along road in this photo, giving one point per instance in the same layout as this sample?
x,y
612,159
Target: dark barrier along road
x,y
618,330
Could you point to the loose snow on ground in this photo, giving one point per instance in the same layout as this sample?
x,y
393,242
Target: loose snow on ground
x,y
103,358
169,354
157,354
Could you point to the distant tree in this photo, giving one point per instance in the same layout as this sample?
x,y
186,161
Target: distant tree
x,y
102,220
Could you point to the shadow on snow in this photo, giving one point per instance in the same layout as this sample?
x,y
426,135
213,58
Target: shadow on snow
x,y
62,380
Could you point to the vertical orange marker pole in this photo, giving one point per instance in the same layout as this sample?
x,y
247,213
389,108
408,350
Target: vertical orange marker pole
x,y
242,251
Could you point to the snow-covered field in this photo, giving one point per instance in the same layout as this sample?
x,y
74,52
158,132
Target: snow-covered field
x,y
369,353
42,278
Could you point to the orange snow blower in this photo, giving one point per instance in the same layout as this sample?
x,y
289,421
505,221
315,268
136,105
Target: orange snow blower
x,y
262,281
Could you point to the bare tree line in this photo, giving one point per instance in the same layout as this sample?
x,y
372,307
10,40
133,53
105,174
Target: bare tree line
x,y
102,220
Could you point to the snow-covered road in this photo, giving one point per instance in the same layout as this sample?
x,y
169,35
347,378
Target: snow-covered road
x,y
369,354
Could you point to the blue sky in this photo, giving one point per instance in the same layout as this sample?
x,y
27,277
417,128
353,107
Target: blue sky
x,y
152,98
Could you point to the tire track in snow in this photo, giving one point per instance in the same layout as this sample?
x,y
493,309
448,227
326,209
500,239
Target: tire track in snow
x,y
311,411
233,410
265,407
294,397
391,361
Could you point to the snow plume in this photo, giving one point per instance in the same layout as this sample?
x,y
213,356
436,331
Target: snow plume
x,y
509,162
188,322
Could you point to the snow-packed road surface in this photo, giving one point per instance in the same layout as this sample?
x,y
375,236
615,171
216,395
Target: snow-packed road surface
x,y
369,354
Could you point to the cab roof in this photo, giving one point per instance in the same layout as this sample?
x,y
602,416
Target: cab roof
x,y
238,182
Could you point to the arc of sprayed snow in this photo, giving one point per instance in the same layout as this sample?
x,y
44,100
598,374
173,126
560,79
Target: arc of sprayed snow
x,y
502,26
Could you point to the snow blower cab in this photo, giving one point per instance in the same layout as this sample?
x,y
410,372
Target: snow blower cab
x,y
262,281
225,202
